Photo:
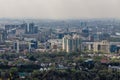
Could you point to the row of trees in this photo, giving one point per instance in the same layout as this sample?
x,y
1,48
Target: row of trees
x,y
82,71
68,74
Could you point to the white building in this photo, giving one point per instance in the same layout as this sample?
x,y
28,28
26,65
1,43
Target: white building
x,y
103,46
71,43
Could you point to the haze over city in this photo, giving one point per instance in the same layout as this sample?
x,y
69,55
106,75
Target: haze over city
x,y
59,39
59,9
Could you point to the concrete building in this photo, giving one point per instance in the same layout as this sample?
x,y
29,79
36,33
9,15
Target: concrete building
x,y
103,46
20,46
3,35
16,46
115,47
55,43
99,46
71,43
30,28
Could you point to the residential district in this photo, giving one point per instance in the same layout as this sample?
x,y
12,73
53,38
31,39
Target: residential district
x,y
59,49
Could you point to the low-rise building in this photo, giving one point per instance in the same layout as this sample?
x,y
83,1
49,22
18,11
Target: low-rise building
x,y
100,46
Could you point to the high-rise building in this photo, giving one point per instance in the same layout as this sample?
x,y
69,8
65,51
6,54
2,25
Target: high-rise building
x,y
25,27
34,44
64,43
16,46
71,43
30,28
3,35
0,37
20,46
85,32
60,35
35,29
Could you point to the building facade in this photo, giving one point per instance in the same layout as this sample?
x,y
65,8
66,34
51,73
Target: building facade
x,y
98,46
71,43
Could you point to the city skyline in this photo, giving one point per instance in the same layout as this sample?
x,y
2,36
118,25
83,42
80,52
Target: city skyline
x,y
59,9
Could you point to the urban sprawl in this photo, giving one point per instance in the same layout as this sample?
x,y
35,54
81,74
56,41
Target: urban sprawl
x,y
55,46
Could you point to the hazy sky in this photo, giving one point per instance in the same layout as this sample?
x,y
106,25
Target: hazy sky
x,y
60,9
